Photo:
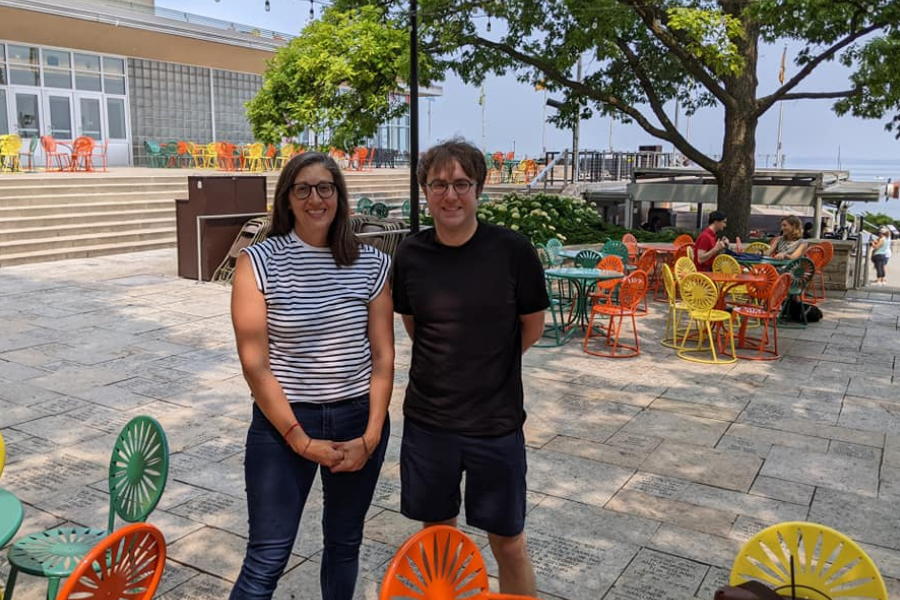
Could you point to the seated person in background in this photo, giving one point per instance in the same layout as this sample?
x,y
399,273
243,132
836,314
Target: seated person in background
x,y
708,246
789,245
807,230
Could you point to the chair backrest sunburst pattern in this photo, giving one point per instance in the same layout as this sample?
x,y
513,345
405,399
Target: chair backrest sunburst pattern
x,y
138,469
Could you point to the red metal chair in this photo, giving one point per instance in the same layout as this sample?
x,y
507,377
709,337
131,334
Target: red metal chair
x,y
632,290
766,345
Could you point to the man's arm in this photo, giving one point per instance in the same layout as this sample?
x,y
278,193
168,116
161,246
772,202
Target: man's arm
x,y
532,329
705,255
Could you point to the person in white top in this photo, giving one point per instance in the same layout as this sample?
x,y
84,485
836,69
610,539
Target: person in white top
x,y
313,321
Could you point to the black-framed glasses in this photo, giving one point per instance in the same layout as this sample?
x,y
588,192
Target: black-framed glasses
x,y
440,187
302,191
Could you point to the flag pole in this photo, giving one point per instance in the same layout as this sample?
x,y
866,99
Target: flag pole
x,y
779,157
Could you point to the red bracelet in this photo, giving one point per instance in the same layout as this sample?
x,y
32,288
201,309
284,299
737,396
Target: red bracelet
x,y
290,429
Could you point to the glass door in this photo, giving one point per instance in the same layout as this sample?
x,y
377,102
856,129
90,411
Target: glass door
x,y
89,115
58,114
26,106
4,113
117,135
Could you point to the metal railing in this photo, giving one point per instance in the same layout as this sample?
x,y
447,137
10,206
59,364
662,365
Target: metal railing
x,y
599,165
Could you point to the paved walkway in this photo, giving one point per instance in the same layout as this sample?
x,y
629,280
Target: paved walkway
x,y
645,475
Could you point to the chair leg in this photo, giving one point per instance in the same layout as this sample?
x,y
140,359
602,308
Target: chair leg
x,y
10,582
52,588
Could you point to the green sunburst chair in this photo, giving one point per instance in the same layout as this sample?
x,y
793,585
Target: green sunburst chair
x,y
138,469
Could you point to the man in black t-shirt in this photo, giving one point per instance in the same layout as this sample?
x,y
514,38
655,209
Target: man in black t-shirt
x,y
472,299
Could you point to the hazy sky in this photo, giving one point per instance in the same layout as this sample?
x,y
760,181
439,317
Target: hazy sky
x,y
514,113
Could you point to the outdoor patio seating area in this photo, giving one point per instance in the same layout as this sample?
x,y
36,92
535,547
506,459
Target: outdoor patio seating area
x,y
646,476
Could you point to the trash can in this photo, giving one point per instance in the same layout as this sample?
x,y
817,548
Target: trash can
x,y
214,196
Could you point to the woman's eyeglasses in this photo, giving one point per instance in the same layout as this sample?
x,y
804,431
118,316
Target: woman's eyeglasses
x,y
302,191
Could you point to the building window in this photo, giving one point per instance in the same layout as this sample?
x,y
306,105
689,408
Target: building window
x,y
114,75
24,65
115,113
87,72
2,67
57,69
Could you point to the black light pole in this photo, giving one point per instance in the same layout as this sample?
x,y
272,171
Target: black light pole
x,y
413,116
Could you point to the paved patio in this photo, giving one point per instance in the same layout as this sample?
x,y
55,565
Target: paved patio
x,y
645,477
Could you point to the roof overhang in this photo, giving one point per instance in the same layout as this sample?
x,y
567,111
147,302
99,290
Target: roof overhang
x,y
772,187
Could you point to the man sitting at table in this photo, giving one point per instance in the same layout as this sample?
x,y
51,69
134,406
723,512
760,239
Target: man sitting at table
x,y
708,246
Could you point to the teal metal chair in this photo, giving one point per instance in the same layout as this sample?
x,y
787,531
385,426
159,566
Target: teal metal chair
x,y
138,469
404,209
363,206
801,271
154,154
560,326
554,246
616,247
588,259
380,210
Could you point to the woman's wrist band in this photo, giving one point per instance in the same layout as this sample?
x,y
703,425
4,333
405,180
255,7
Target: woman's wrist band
x,y
305,448
290,429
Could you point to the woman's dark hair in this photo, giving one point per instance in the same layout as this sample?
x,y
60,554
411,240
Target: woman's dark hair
x,y
343,244
442,156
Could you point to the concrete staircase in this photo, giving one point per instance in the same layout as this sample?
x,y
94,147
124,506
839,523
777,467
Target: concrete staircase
x,y
54,216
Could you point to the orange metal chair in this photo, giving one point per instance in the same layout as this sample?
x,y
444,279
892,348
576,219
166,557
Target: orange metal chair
x,y
100,152
686,249
629,237
766,313
632,290
683,239
225,156
51,152
129,563
83,150
819,256
439,563
647,264
603,290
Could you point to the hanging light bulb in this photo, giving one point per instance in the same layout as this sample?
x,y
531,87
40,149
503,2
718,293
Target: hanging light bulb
x,y
268,6
312,13
489,23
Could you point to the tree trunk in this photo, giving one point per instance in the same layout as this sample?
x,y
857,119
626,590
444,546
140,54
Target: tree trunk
x,y
734,174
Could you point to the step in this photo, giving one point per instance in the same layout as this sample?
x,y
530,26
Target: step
x,y
76,197
66,229
8,260
84,239
61,209
87,218
40,188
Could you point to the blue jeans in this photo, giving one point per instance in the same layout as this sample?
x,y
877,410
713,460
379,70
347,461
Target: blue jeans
x,y
278,483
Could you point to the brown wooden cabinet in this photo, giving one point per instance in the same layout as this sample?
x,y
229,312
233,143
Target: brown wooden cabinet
x,y
214,195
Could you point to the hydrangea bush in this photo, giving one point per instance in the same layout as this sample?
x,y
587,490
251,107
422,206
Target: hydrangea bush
x,y
544,216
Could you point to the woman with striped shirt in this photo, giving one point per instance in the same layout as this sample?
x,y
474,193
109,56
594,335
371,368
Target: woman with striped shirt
x,y
314,328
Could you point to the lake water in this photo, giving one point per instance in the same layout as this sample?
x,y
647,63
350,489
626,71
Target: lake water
x,y
881,170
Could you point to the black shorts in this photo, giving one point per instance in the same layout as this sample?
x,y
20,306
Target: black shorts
x,y
431,466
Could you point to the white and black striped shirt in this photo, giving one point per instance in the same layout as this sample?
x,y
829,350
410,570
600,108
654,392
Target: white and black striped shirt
x,y
318,316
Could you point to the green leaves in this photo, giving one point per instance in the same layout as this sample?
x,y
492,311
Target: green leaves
x,y
341,78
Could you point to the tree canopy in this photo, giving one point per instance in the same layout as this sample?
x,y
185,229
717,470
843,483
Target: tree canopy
x,y
341,78
642,55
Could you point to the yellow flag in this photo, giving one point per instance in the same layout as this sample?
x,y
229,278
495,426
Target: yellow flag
x,y
540,85
781,70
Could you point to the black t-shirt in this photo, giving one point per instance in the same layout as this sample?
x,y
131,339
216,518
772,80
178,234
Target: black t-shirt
x,y
466,370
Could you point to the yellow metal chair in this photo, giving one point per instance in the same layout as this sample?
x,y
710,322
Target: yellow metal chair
x,y
211,156
700,294
727,264
255,159
757,248
684,266
286,153
10,147
677,309
808,560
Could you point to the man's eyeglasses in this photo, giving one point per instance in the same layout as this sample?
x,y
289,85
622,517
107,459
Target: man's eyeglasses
x,y
460,186
301,191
